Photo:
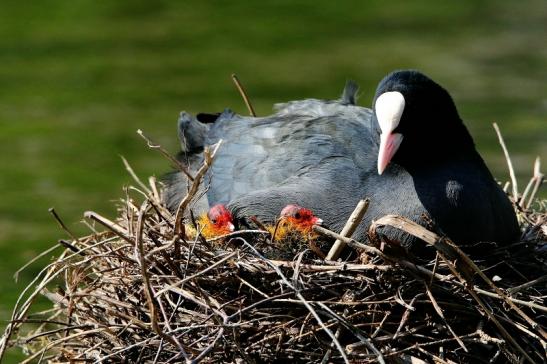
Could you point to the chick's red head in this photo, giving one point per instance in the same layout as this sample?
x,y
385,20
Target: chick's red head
x,y
221,219
300,217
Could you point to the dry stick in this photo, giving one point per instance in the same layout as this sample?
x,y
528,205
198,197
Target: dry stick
x,y
536,174
343,267
434,270
112,226
134,175
42,254
406,314
355,331
243,95
509,163
236,234
515,300
539,180
516,289
441,315
355,244
178,164
201,272
348,230
146,281
62,224
154,187
208,159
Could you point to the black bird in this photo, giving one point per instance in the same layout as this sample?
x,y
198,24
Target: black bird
x,y
411,155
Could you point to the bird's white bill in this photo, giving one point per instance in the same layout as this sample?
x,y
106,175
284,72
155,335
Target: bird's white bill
x,y
389,143
231,227
318,221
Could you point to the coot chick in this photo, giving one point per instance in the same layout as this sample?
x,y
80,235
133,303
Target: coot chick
x,y
216,222
411,155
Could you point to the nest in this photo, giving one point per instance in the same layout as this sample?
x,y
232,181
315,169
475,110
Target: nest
x,y
136,290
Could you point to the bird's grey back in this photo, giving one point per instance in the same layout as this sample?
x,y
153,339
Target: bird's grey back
x,y
260,153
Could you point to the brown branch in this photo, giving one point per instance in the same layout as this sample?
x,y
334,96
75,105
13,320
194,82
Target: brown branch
x,y
166,154
243,95
208,159
62,224
538,176
509,163
112,226
348,230
146,280
441,315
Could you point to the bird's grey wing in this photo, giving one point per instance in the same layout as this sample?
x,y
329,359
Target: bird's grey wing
x,y
260,153
319,108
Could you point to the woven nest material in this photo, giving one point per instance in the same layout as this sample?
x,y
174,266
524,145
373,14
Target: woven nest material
x,y
136,290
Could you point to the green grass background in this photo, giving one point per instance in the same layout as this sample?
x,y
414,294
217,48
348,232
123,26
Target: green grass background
x,y
78,78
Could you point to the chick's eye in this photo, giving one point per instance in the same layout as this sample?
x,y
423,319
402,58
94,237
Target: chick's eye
x,y
297,215
214,221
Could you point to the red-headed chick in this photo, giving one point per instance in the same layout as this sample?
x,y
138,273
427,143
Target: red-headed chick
x,y
216,222
300,218
295,224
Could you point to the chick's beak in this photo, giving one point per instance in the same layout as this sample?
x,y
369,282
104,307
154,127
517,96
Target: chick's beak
x,y
389,143
317,221
231,227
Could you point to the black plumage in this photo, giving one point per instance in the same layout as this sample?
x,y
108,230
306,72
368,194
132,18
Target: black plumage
x,y
323,155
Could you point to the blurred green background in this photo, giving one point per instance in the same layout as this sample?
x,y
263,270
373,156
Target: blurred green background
x,y
78,78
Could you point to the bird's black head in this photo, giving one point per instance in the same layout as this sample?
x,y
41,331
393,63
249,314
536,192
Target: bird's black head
x,y
417,121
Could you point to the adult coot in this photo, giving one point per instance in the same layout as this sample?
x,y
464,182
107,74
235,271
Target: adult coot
x,y
411,155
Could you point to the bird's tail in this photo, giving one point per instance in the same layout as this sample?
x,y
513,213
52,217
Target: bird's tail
x,y
349,95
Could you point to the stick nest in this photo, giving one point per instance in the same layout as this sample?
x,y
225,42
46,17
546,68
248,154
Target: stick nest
x,y
135,291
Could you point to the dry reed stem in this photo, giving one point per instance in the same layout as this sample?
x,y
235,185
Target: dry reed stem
x,y
354,220
243,94
208,158
509,163
167,155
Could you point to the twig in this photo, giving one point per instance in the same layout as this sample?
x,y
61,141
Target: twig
x,y
406,314
146,281
441,315
30,262
538,176
178,164
182,281
532,283
134,175
509,163
243,95
62,224
112,226
208,159
348,230
514,300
